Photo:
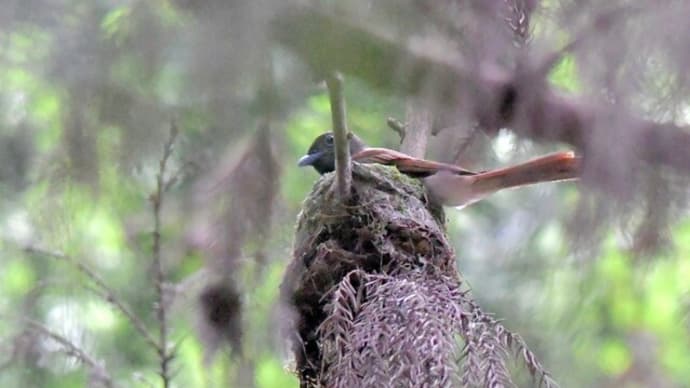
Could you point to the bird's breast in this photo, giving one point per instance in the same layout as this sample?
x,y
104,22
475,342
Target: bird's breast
x,y
450,189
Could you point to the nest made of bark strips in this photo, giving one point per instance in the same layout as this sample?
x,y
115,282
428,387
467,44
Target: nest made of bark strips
x,y
375,296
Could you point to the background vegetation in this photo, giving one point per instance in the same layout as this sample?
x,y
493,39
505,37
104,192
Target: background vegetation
x,y
91,93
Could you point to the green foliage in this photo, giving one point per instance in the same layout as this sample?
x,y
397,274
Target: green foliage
x,y
17,277
633,304
564,74
271,373
614,357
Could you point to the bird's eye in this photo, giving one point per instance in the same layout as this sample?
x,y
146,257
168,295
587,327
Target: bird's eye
x,y
329,139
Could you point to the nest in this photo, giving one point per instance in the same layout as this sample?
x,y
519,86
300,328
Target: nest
x,y
373,285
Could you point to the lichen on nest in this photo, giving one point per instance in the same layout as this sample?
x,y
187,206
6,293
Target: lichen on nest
x,y
388,227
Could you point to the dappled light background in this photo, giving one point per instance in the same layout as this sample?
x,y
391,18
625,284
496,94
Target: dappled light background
x,y
593,275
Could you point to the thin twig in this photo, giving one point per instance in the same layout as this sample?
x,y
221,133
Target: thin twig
x,y
159,276
72,349
343,169
397,126
108,293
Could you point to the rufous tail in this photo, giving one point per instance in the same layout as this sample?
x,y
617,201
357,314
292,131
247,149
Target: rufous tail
x,y
553,167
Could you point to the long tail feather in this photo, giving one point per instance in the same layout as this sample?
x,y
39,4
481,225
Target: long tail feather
x,y
554,167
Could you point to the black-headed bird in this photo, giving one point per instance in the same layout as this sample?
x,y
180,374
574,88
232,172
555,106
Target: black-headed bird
x,y
448,184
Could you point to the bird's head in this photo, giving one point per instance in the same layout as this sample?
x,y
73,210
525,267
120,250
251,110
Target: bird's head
x,y
321,153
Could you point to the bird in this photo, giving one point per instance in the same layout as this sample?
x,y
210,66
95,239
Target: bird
x,y
448,184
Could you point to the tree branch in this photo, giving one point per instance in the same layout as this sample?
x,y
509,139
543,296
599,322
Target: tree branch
x,y
419,121
72,349
343,168
499,97
109,295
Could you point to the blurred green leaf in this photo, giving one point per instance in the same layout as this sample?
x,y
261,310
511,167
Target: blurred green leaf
x,y
16,276
271,374
100,316
114,21
614,357
564,74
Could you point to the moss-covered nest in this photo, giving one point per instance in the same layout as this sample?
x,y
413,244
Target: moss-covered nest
x,y
388,227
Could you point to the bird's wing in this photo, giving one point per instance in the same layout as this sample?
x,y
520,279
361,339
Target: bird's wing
x,y
456,190
406,163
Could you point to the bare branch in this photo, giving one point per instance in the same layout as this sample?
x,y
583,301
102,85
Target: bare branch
x,y
73,350
343,169
108,294
165,356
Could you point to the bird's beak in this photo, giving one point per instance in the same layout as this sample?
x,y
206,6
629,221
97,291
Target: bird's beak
x,y
308,160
